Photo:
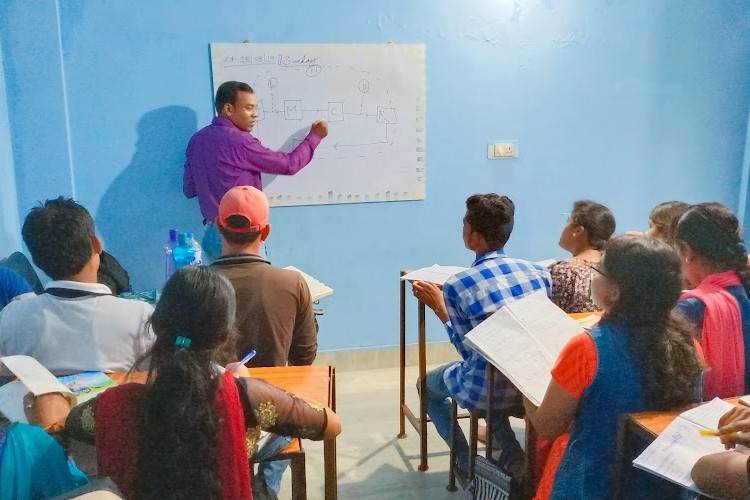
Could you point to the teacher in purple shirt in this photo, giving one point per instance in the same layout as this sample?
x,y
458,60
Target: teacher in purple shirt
x,y
224,155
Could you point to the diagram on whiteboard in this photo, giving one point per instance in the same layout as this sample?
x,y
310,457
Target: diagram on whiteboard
x,y
373,99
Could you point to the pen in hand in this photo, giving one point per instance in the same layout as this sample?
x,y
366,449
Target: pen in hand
x,y
245,359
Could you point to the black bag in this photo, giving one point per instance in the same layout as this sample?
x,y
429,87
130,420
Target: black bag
x,y
491,483
112,274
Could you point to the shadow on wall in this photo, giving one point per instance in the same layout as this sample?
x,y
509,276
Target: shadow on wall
x,y
145,200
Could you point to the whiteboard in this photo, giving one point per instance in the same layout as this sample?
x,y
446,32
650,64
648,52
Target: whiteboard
x,y
373,99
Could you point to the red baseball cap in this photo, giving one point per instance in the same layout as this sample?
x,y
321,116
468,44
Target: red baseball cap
x,y
245,201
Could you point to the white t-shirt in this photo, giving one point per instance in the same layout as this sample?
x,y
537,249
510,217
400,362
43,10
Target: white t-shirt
x,y
91,333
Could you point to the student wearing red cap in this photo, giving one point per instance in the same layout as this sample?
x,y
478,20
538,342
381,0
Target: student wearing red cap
x,y
274,306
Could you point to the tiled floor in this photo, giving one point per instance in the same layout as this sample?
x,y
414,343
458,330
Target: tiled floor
x,y
372,462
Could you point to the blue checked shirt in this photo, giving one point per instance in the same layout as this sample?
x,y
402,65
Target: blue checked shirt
x,y
471,296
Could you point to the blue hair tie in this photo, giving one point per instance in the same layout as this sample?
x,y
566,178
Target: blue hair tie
x,y
181,341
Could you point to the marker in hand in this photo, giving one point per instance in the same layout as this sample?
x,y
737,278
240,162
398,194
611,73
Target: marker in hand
x,y
250,355
712,432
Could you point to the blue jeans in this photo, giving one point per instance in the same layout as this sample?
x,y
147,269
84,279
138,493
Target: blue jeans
x,y
211,244
439,409
271,472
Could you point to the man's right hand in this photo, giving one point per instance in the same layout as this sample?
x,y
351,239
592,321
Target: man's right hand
x,y
320,128
432,296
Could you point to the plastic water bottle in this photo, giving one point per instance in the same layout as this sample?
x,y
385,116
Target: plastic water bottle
x,y
198,260
183,253
168,258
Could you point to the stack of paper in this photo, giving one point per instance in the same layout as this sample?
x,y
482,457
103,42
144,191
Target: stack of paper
x,y
317,289
673,454
523,340
433,274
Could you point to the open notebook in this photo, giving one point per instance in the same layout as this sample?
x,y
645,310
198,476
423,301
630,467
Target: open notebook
x,y
673,454
433,274
438,274
523,340
36,379
318,290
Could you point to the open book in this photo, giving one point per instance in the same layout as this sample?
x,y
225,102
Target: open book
x,y
33,378
433,274
87,385
673,454
523,340
317,289
36,379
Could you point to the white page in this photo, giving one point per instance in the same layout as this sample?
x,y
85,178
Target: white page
x,y
546,322
507,344
11,401
318,290
708,414
546,262
433,274
673,454
32,377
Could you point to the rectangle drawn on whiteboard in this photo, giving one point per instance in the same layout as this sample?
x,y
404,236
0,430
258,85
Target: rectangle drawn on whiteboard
x,y
371,95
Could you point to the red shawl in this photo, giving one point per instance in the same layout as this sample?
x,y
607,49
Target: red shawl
x,y
118,431
722,341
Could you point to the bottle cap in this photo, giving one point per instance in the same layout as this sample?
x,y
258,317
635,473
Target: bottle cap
x,y
173,235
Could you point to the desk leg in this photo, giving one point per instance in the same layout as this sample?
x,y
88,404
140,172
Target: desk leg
x,y
422,390
332,386
531,459
402,352
329,445
620,455
329,459
488,418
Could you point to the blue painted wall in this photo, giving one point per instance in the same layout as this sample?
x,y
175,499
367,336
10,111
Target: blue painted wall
x,y
627,102
10,237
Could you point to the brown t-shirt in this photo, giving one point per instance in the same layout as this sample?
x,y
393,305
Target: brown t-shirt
x,y
274,311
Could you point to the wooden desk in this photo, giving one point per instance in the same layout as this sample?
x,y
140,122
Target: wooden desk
x,y
314,383
420,421
404,412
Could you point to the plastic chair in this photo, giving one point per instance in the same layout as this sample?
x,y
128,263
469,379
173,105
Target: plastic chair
x,y
20,264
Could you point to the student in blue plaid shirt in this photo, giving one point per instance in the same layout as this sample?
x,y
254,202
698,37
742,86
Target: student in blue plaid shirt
x,y
467,299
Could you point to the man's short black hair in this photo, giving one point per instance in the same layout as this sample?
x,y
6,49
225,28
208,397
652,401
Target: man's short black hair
x,y
227,93
491,215
60,236
237,238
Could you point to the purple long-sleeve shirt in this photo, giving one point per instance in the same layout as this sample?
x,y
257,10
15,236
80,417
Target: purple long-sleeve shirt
x,y
221,156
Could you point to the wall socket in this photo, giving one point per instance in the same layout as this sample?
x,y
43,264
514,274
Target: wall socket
x,y
502,150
